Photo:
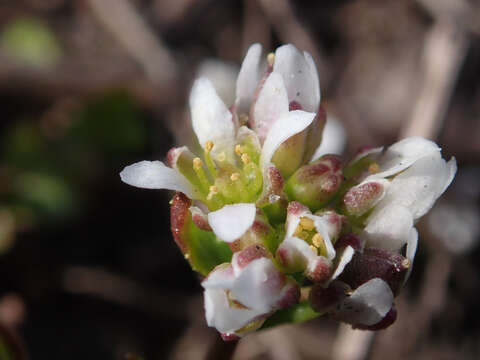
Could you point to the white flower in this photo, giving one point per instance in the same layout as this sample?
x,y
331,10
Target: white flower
x,y
417,175
239,296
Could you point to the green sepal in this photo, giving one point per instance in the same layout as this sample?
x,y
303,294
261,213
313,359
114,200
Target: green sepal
x,y
206,251
296,314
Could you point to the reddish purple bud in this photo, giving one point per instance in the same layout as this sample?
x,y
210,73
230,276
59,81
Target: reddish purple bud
x,y
179,217
376,263
290,297
320,270
247,255
273,200
350,240
359,199
324,299
317,183
388,320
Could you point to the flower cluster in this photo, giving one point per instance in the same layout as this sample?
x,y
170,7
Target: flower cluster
x,y
281,236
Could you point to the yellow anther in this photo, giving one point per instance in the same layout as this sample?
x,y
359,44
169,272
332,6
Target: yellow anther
x,y
238,149
317,240
314,249
186,256
208,146
235,176
243,119
213,190
307,223
374,168
245,159
298,231
221,157
406,263
271,58
197,163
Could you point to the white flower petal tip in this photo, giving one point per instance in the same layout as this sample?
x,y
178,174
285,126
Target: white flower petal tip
x,y
211,119
232,221
367,305
344,258
248,78
285,127
300,75
155,175
272,103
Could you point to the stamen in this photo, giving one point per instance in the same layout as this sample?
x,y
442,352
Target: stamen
x,y
239,149
314,249
186,256
317,240
213,190
243,119
198,168
235,176
307,223
406,263
245,158
208,146
197,163
271,58
374,168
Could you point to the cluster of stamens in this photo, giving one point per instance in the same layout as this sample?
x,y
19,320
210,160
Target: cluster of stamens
x,y
306,230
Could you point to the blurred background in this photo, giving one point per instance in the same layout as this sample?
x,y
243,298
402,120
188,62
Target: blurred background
x,y
88,266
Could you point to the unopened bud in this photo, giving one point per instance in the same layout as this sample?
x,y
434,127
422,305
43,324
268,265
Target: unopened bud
x,y
317,183
359,199
376,263
324,299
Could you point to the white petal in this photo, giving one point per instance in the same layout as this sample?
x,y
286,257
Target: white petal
x,y
411,250
285,127
211,120
155,175
258,286
248,78
334,139
232,221
300,76
220,315
368,304
299,250
404,153
389,227
418,187
272,103
322,226
222,277
344,258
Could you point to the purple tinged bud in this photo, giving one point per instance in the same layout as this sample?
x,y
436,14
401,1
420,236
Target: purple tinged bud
x,y
317,183
350,240
247,255
324,299
359,199
376,263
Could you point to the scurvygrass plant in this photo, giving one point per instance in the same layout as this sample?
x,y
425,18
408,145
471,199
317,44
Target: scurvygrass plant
x,y
279,236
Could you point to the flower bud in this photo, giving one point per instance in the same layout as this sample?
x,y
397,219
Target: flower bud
x,y
273,200
359,199
376,263
317,183
260,233
323,299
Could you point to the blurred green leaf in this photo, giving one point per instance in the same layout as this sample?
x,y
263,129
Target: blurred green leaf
x,y
48,194
30,41
112,124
